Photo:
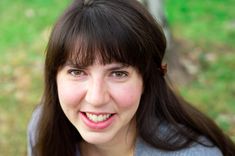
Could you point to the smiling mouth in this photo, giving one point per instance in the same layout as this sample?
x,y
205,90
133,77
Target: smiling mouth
x,y
97,117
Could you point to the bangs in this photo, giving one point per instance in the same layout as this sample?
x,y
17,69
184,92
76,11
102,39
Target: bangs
x,y
98,35
85,50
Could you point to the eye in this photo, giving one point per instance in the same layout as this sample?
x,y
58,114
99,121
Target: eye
x,y
76,72
119,74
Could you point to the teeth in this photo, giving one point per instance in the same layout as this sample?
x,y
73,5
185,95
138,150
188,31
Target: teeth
x,y
97,118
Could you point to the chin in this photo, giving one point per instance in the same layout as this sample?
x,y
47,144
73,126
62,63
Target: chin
x,y
96,137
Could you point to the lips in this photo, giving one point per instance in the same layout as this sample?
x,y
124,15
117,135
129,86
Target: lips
x,y
97,121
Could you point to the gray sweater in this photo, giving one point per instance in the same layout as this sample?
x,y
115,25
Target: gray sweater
x,y
142,148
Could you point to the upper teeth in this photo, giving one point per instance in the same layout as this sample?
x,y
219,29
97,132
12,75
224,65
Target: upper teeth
x,y
98,118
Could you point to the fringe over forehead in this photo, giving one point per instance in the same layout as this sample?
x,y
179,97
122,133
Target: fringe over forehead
x,y
106,31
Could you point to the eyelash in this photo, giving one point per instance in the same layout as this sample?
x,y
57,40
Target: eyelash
x,y
119,74
78,72
115,74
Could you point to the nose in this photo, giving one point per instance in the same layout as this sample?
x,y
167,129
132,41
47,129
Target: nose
x,y
97,92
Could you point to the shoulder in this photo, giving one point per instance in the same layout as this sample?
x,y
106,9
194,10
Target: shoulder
x,y
143,149
32,129
32,126
198,149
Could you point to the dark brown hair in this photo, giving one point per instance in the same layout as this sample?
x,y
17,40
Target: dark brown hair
x,y
122,31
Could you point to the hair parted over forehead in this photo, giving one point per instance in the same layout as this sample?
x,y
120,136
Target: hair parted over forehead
x,y
106,31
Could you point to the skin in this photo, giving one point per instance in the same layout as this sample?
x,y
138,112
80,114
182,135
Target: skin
x,y
102,89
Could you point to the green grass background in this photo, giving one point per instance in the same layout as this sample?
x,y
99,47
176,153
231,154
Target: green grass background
x,y
208,27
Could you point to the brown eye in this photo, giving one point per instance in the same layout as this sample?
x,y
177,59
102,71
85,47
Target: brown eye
x,y
76,72
119,74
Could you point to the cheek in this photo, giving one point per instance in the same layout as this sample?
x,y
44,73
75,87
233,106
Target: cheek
x,y
69,95
128,96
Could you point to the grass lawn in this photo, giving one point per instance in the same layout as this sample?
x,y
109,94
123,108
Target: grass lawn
x,y
24,30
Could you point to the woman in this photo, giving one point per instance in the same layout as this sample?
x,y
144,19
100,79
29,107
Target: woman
x,y
105,91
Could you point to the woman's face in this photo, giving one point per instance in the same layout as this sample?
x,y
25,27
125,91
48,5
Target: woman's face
x,y
100,100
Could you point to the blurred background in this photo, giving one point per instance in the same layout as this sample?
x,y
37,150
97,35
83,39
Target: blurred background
x,y
202,50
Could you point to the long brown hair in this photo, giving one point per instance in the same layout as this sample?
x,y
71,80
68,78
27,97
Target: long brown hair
x,y
122,31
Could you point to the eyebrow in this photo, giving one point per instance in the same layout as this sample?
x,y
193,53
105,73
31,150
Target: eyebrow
x,y
74,65
117,66
112,66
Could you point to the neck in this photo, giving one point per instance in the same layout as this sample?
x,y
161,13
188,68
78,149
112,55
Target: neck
x,y
124,145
